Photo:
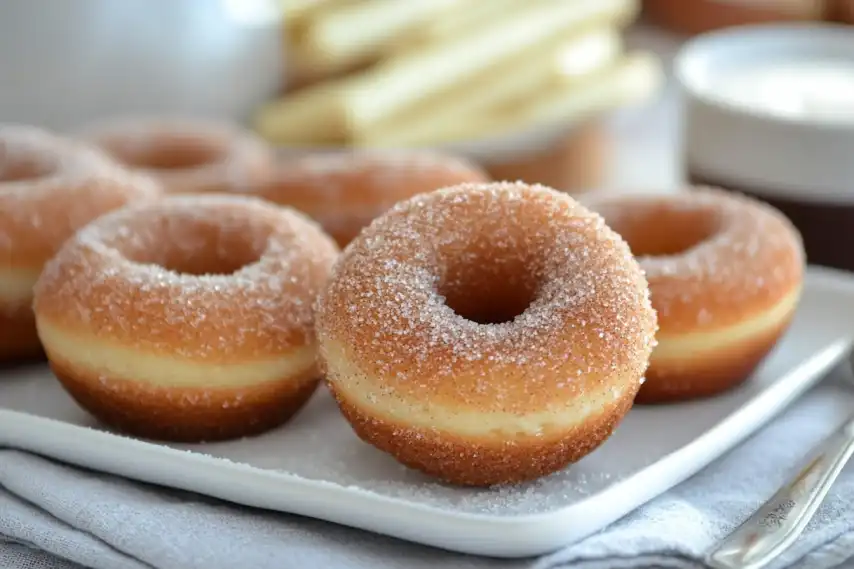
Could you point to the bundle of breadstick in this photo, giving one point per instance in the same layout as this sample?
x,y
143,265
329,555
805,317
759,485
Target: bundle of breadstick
x,y
436,72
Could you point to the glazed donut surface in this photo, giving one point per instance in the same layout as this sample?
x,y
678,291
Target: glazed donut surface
x,y
486,333
49,188
344,191
186,155
188,319
725,274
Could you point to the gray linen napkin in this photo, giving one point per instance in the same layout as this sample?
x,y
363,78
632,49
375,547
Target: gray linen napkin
x,y
53,516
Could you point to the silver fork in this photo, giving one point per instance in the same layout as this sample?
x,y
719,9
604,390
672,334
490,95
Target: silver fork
x,y
781,520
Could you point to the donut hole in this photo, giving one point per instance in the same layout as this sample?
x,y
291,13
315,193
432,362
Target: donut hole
x,y
488,290
23,169
168,152
223,263
197,248
666,231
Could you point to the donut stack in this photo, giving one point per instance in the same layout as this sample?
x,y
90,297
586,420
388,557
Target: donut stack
x,y
480,332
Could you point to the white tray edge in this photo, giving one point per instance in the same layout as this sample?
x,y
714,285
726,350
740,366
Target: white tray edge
x,y
480,534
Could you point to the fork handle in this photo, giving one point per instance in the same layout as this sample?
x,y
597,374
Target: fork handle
x,y
779,522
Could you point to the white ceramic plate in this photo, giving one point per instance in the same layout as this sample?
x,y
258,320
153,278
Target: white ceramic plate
x,y
316,467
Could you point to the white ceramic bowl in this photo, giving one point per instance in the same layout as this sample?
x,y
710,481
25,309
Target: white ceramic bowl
x,y
785,149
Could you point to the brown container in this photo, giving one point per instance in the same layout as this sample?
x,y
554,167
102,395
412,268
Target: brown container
x,y
841,11
798,161
699,16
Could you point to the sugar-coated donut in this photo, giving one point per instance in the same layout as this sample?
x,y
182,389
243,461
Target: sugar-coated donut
x,y
486,333
187,320
49,187
344,191
187,155
725,274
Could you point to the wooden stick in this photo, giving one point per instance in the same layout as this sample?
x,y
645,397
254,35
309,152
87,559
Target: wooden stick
x,y
292,9
296,12
633,79
525,76
468,16
313,116
354,32
303,68
402,81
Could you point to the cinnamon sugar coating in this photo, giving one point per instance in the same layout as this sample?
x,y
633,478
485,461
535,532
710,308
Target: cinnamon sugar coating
x,y
186,155
345,191
187,319
708,254
50,187
725,273
214,278
495,299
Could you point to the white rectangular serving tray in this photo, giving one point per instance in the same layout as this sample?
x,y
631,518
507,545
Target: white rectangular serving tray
x,y
315,466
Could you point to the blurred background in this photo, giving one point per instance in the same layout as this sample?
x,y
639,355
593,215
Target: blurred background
x,y
576,94
534,88
521,85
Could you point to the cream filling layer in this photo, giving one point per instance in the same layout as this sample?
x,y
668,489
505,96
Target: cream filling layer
x,y
104,359
699,344
364,391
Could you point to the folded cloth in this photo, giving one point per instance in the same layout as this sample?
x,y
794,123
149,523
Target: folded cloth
x,y
53,516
